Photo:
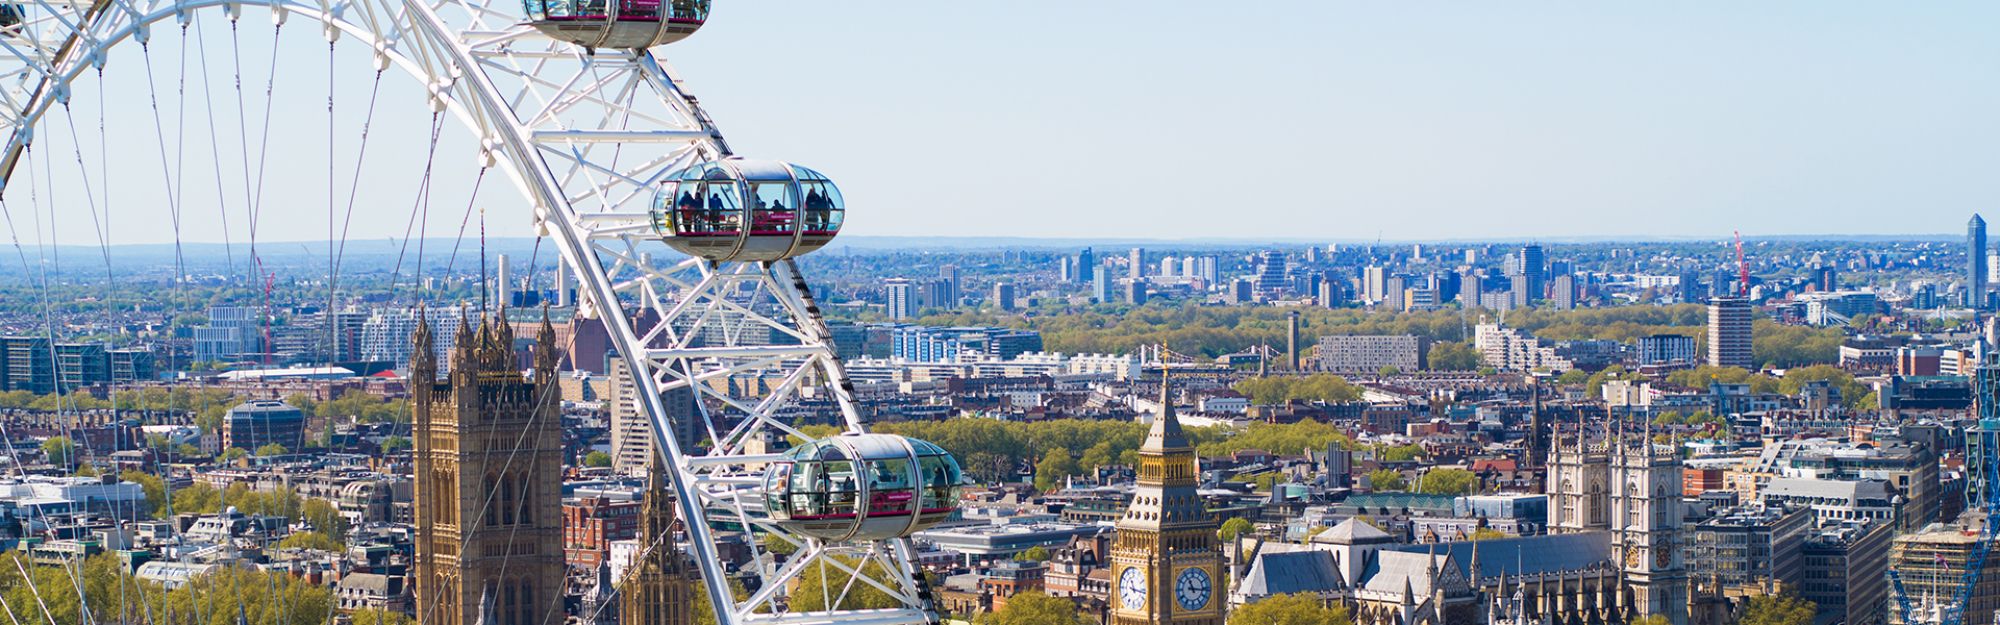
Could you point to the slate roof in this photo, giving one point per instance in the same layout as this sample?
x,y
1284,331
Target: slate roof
x,y
1527,555
1292,572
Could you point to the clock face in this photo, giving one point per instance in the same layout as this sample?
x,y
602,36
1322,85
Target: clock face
x,y
1192,588
1132,588
1633,557
1663,558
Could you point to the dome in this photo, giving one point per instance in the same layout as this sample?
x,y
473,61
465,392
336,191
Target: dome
x,y
862,487
744,210
620,24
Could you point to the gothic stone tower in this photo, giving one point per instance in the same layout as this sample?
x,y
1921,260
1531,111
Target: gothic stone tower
x,y
1647,520
658,591
1631,488
488,481
1166,566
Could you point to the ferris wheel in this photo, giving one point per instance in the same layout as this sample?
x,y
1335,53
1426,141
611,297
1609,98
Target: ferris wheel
x,y
645,203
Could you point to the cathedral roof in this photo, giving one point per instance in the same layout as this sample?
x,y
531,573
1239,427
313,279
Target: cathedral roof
x,y
1309,571
1527,555
1393,571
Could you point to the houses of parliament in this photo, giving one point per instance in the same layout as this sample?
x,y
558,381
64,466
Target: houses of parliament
x,y
488,473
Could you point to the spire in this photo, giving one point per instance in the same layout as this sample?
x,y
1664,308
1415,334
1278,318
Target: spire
x,y
545,348
1166,433
1409,594
423,360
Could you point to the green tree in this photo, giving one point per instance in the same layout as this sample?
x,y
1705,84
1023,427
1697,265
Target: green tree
x,y
394,443
1447,482
156,489
1653,619
597,460
1386,480
59,450
1290,609
1399,453
231,455
819,583
310,540
778,545
1036,553
1234,527
1573,376
1487,533
1781,609
324,517
1452,356
1035,608
1389,370
1055,466
377,616
272,449
198,498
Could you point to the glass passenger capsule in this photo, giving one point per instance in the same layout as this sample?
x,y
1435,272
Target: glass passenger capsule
x,y
619,24
744,210
862,487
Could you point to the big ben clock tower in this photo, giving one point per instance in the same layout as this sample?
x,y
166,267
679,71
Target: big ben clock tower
x,y
1166,566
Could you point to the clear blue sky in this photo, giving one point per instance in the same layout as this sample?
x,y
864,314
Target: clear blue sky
x,y
1292,119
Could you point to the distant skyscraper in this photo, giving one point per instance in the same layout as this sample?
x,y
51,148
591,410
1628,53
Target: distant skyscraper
x,y
1086,266
1374,283
1536,267
948,274
1210,269
1562,292
1066,269
1135,292
1170,267
1241,291
1271,271
1191,267
1003,295
1137,262
1100,287
1729,333
902,300
1975,265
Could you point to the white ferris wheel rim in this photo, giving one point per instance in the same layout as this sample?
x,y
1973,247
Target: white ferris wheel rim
x,y
453,61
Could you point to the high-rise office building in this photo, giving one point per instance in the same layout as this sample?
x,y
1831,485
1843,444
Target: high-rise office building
x,y
1374,283
1191,267
1003,295
901,298
1975,265
1210,270
953,291
1100,287
1562,292
1169,266
1086,266
1535,266
632,441
1271,271
1137,263
1729,333
1135,292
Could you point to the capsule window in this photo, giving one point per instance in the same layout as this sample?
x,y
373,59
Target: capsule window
x,y
722,212
776,208
823,206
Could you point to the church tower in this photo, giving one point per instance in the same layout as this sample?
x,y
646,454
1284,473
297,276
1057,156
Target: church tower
x,y
657,591
1647,528
1166,565
1578,473
488,481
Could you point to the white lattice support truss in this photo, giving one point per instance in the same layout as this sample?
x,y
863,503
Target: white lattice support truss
x,y
585,138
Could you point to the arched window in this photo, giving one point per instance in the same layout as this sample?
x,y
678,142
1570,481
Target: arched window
x,y
526,610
